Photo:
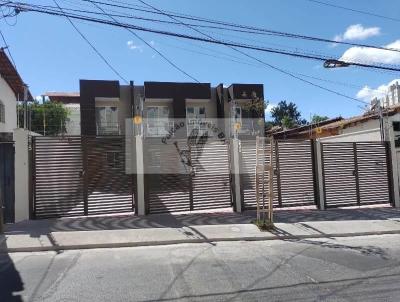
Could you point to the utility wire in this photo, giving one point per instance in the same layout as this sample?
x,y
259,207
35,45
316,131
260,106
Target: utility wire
x,y
151,46
354,10
235,25
92,46
7,47
213,41
263,62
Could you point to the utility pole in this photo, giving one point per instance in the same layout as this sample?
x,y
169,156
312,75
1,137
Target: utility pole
x,y
376,106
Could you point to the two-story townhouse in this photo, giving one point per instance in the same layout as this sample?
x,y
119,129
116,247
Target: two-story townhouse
x,y
106,105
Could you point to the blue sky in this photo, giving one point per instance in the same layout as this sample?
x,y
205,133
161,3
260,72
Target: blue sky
x,y
51,56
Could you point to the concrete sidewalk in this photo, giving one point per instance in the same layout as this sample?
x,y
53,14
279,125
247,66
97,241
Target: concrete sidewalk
x,y
129,230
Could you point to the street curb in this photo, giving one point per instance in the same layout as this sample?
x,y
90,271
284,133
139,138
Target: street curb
x,y
186,241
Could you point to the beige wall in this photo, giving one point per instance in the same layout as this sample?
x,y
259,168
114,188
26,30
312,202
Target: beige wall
x,y
360,136
7,97
371,124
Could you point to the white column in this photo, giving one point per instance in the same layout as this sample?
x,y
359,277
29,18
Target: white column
x,y
320,174
236,172
140,176
21,175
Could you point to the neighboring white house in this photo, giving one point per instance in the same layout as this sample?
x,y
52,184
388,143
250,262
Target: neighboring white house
x,y
11,89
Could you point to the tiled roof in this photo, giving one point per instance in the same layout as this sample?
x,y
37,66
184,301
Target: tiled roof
x,y
345,123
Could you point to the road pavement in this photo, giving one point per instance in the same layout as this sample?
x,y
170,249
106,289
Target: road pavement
x,y
363,268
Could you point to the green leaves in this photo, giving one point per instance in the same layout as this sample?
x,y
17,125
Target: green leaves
x,y
46,118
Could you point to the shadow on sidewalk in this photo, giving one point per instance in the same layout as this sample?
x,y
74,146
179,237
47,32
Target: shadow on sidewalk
x,y
36,228
10,279
339,214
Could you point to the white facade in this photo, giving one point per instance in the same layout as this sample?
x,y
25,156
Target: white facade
x,y
73,123
9,101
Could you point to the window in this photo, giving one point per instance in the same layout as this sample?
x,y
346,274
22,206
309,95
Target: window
x,y
158,123
196,112
2,113
107,120
396,126
196,119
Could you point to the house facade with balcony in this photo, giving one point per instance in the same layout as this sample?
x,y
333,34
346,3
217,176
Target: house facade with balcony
x,y
106,105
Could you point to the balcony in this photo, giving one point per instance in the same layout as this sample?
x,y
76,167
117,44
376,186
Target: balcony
x,y
108,129
201,125
158,127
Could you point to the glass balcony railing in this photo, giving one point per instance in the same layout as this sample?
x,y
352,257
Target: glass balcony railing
x,y
158,128
108,129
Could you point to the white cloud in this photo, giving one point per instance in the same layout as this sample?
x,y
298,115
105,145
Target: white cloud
x,y
373,55
269,108
358,32
133,46
367,93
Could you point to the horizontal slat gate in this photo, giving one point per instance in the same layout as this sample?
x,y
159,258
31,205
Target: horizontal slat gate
x,y
373,173
339,174
172,186
355,173
167,179
58,185
295,173
247,172
80,176
211,177
109,188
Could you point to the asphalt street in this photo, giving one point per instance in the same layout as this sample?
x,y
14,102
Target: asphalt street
x,y
344,269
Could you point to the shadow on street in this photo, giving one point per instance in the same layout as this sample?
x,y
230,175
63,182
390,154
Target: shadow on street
x,y
10,279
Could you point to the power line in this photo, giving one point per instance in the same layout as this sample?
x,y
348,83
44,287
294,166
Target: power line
x,y
265,63
213,41
7,47
354,10
92,46
151,46
235,25
228,57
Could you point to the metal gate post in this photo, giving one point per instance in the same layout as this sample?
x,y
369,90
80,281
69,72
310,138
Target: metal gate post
x,y
21,175
320,174
85,171
141,206
236,175
32,178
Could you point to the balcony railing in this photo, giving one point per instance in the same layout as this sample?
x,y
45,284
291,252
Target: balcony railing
x,y
158,128
202,125
108,129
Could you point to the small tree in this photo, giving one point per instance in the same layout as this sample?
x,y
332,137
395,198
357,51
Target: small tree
x,y
318,118
285,112
46,118
287,122
257,108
